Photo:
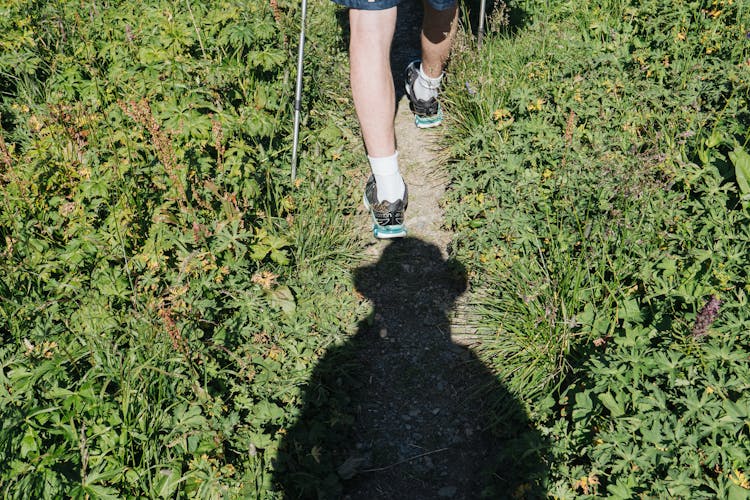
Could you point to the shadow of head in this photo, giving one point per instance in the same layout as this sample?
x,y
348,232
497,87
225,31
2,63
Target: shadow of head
x,y
412,286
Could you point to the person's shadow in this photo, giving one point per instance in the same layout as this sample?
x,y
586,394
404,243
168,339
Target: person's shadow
x,y
400,411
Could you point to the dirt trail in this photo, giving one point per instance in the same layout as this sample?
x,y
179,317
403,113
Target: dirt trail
x,y
419,430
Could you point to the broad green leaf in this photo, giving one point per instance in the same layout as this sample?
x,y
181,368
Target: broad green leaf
x,y
267,59
18,468
614,406
280,257
260,440
630,311
668,265
29,442
737,492
166,482
101,492
267,411
620,490
259,251
330,134
276,242
714,139
192,418
583,406
741,161
736,410
282,298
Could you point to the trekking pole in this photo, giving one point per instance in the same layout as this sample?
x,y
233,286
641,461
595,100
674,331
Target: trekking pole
x,y
480,31
298,91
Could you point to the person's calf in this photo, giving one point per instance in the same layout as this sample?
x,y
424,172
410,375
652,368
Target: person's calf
x,y
438,31
371,80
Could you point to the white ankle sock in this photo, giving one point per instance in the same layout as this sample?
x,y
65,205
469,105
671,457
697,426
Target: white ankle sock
x,y
425,87
387,177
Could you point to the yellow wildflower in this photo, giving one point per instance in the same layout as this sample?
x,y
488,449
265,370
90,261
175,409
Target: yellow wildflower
x,y
536,105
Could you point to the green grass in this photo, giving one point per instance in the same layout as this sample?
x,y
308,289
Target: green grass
x,y
599,200
165,291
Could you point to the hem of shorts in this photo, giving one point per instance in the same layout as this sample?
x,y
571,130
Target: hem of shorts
x,y
442,7
365,5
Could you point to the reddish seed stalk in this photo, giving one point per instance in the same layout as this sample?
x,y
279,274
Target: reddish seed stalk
x,y
4,154
706,317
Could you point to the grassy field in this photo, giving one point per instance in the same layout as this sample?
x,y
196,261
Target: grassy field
x,y
599,154
166,292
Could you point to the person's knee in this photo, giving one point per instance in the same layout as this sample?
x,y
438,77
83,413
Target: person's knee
x,y
372,30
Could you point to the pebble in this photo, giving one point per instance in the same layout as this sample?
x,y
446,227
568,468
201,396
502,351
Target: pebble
x,y
383,333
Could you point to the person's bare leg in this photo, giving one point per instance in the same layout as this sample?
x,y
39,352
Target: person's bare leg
x,y
371,80
438,31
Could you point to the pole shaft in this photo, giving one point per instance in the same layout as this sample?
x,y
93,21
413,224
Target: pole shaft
x,y
480,31
298,89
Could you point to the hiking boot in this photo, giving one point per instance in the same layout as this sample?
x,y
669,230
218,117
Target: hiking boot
x,y
427,113
387,217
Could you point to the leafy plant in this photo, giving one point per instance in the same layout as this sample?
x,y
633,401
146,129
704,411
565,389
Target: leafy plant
x,y
160,298
598,198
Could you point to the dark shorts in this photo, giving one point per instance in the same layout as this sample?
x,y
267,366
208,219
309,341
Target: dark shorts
x,y
387,4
